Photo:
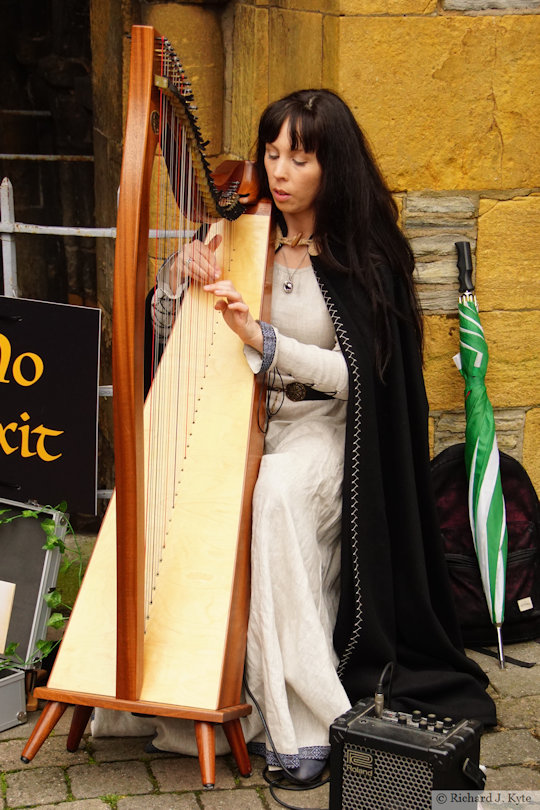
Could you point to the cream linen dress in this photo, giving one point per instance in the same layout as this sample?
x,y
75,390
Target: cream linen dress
x,y
290,662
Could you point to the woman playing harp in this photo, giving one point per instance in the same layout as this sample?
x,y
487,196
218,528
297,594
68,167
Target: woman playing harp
x,y
347,567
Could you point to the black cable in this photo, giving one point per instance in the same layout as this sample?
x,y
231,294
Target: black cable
x,y
379,692
274,784
298,784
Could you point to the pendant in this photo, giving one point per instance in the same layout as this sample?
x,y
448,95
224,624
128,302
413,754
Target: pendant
x,y
288,287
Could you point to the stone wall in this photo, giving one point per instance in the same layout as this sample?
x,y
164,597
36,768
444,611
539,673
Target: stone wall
x,y
447,93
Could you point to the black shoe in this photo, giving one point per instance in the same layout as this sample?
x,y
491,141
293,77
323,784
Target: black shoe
x,y
309,770
150,748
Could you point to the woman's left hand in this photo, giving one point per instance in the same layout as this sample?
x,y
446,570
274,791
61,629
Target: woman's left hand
x,y
236,313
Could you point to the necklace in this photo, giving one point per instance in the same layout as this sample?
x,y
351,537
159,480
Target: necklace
x,y
288,286
293,241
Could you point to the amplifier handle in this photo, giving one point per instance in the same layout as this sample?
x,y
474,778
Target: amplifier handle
x,y
475,773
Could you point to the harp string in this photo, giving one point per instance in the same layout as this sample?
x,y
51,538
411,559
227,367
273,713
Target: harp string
x,y
154,454
185,200
179,210
165,401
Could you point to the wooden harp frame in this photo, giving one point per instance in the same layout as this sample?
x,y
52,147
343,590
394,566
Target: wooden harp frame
x,y
128,507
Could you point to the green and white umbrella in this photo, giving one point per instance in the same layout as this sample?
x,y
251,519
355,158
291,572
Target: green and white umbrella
x,y
486,501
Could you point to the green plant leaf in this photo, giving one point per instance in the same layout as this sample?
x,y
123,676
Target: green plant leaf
x,y
53,542
10,660
45,647
53,599
56,620
29,513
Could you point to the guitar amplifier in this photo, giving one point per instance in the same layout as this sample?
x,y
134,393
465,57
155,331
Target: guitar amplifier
x,y
395,761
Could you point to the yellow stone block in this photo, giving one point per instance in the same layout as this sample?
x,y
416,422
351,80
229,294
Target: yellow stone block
x,y
447,102
276,51
431,435
296,45
400,7
249,77
331,55
531,446
512,378
361,7
324,7
195,34
508,254
444,383
514,357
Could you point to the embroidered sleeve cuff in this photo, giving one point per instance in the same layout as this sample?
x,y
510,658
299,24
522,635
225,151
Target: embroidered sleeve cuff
x,y
269,345
260,363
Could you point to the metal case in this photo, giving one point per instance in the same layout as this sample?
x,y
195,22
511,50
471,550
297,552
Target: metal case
x,y
12,699
34,571
395,761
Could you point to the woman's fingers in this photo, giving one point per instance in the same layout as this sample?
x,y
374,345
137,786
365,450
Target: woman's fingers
x,y
198,261
228,294
200,264
223,287
236,313
229,299
222,305
215,242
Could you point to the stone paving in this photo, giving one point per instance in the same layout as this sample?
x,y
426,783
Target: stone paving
x,y
116,774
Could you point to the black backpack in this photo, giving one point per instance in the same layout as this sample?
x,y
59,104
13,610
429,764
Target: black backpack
x,y
522,608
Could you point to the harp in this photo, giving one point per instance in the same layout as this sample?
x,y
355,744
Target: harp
x,y
171,561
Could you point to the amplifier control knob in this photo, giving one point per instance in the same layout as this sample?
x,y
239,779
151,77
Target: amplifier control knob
x,y
402,719
423,723
431,718
439,726
416,716
448,722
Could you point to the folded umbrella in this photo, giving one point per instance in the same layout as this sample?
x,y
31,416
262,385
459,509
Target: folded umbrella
x,y
487,512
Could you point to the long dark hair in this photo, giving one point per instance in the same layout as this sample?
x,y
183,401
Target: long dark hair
x,y
354,207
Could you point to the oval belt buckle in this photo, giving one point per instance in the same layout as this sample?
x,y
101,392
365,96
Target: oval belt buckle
x,y
295,391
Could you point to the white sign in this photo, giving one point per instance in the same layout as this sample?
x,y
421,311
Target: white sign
x,y
7,593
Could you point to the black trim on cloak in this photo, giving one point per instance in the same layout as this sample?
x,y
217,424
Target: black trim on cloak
x,y
396,604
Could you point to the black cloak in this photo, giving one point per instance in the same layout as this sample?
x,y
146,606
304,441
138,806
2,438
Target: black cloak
x,y
396,604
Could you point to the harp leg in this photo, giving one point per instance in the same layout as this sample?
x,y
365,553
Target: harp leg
x,y
205,735
235,737
81,716
49,717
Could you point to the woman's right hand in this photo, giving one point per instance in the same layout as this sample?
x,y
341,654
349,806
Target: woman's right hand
x,y
196,261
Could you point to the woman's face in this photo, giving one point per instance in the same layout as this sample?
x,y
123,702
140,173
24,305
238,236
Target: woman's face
x,y
294,177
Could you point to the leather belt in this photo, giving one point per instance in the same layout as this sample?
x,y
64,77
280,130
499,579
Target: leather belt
x,y
298,392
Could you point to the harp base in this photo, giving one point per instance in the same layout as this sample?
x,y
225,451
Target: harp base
x,y
205,721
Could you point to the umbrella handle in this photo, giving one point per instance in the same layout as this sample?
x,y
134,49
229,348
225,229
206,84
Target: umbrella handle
x,y
465,266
